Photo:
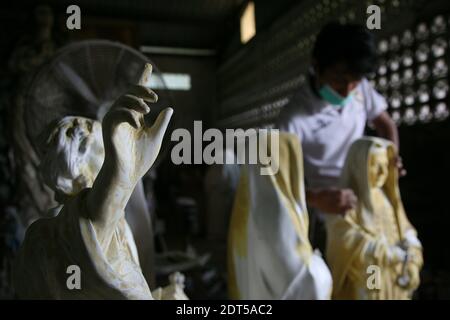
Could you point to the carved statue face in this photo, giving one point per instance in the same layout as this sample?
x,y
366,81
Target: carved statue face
x,y
84,137
378,167
73,155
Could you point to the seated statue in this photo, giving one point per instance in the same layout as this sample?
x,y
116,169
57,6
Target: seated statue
x,y
373,251
269,253
94,182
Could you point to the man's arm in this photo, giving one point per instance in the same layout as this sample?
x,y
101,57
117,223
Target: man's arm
x,y
331,200
386,128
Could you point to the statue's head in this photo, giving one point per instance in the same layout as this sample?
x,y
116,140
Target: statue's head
x,y
378,166
72,154
370,164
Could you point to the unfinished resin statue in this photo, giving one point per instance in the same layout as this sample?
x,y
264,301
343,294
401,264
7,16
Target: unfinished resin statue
x,y
90,232
72,154
269,253
373,251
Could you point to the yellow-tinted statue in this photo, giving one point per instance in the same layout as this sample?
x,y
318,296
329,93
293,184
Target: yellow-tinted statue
x,y
373,251
269,253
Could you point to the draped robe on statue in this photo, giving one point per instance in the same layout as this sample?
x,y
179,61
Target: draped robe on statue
x,y
362,243
269,253
109,269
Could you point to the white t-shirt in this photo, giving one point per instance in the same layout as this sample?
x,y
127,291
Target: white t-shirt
x,y
327,133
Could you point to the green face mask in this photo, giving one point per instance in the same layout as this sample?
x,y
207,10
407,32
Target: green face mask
x,y
329,95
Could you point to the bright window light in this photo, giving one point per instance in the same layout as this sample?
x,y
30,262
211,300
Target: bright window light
x,y
171,81
248,27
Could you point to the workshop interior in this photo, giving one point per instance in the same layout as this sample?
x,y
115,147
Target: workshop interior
x,y
95,175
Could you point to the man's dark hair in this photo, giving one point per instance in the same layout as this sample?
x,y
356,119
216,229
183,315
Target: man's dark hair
x,y
351,44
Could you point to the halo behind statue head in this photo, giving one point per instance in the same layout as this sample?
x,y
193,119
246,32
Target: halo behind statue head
x,y
84,79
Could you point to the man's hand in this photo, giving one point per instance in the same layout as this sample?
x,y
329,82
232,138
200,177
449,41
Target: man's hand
x,y
399,165
333,200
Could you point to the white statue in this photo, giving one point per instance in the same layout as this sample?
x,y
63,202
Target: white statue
x,y
72,154
269,253
90,234
174,291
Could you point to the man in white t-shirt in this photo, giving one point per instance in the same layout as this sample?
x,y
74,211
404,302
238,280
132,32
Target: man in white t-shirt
x,y
332,109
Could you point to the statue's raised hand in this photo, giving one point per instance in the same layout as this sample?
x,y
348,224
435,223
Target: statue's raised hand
x,y
131,147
